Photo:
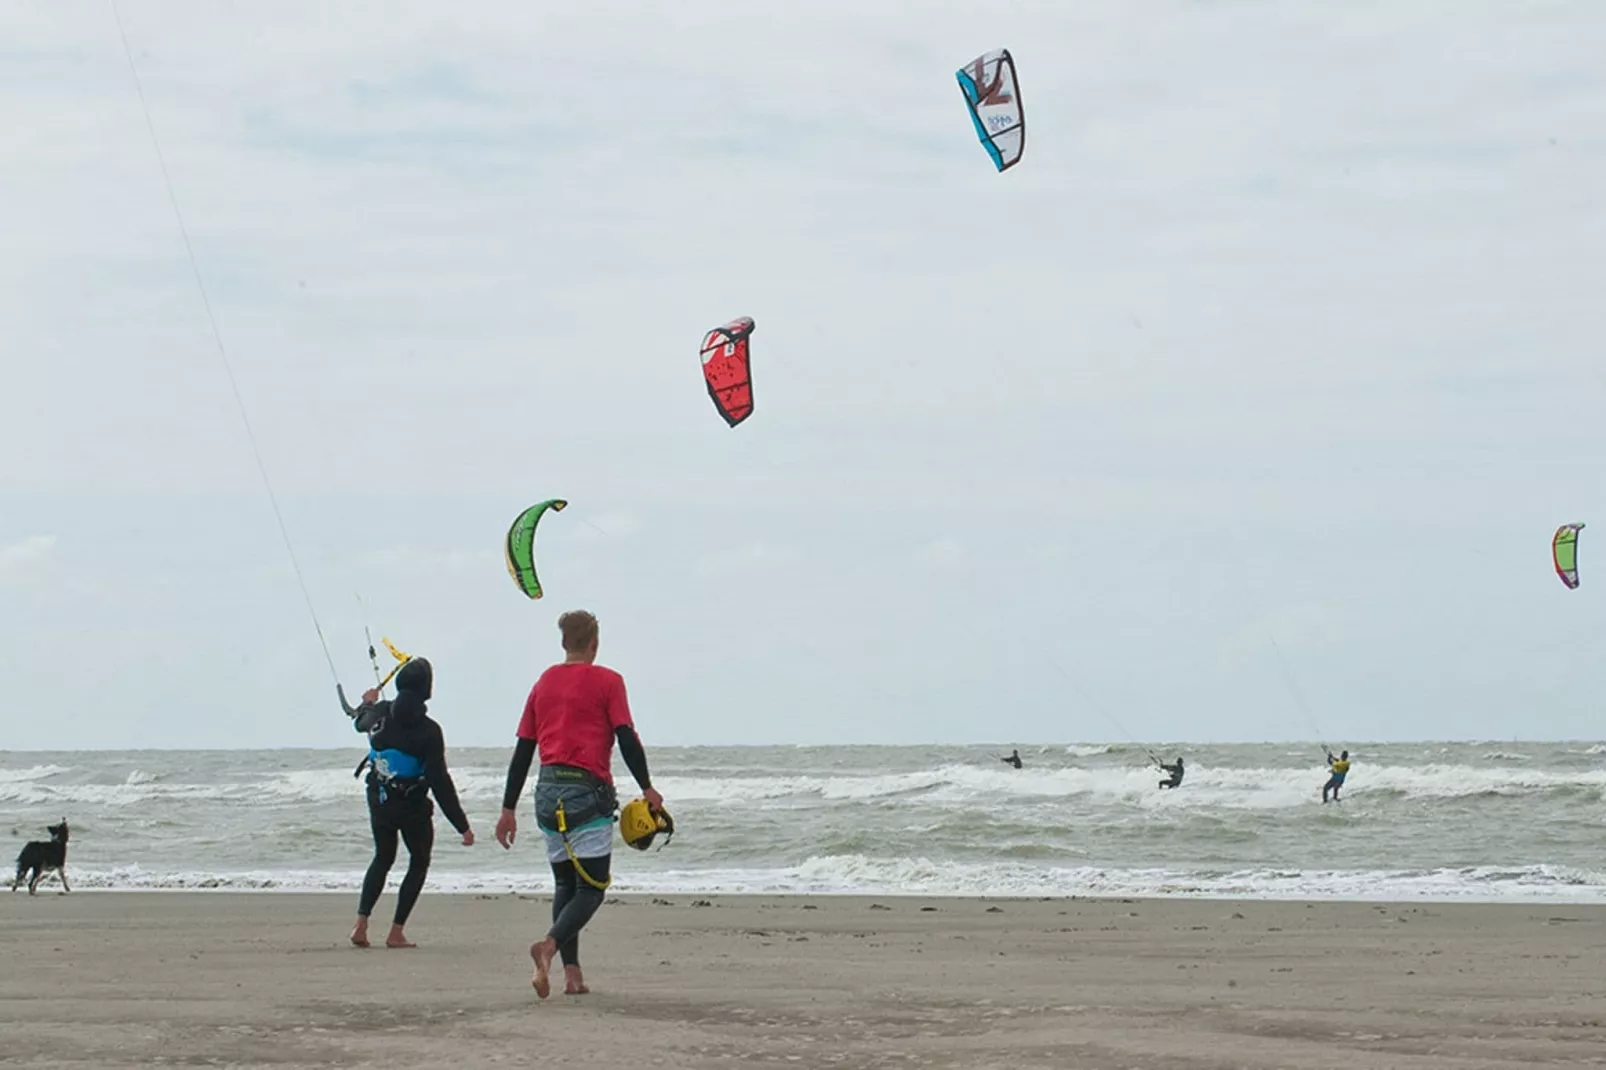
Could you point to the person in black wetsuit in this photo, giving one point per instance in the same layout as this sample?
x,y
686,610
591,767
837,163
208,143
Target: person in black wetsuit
x,y
1174,772
406,764
1013,759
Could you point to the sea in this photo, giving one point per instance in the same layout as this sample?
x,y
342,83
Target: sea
x,y
1418,821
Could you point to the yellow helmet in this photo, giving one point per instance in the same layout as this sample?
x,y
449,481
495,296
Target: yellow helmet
x,y
638,824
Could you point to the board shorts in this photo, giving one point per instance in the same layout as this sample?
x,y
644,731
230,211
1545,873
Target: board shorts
x,y
589,803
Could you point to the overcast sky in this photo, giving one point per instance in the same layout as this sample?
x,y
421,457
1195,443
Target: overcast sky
x,y
1286,335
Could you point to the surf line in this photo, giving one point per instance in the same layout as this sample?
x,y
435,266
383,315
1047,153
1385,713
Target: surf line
x,y
222,350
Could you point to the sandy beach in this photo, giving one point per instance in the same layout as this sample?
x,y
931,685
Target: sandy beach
x,y
115,979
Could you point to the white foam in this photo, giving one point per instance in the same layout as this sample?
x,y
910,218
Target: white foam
x,y
33,772
862,875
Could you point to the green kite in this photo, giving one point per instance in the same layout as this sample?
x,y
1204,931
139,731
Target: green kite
x,y
520,548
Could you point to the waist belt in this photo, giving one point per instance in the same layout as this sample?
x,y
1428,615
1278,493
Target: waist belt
x,y
594,803
570,774
596,809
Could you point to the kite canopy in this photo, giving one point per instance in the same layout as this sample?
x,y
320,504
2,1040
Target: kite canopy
x,y
992,93
520,547
1564,551
725,367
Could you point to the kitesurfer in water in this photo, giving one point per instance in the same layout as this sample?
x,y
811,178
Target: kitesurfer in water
x,y
1339,768
1013,759
576,711
406,764
1174,773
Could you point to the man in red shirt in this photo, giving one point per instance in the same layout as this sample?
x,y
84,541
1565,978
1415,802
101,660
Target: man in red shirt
x,y
576,711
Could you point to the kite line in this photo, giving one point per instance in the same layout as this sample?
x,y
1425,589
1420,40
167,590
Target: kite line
x,y
1106,714
217,336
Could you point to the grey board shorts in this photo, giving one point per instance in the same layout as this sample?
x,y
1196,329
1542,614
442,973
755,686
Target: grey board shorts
x,y
588,806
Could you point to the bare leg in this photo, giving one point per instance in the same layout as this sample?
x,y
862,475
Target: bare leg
x,y
398,938
574,984
543,954
359,934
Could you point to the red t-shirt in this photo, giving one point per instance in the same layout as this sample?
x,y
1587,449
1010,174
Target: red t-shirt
x,y
571,714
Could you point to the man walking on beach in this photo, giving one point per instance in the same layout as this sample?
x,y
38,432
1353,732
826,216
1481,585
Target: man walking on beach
x,y
576,711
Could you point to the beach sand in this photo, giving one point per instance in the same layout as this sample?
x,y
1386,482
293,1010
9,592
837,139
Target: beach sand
x,y
221,979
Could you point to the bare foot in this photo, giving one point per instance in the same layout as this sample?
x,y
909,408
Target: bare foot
x,y
359,935
573,983
397,938
542,953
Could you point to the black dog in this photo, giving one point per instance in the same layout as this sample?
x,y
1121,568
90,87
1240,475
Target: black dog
x,y
44,857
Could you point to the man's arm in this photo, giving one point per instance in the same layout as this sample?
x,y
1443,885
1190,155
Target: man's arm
x,y
370,714
635,756
441,785
518,770
507,825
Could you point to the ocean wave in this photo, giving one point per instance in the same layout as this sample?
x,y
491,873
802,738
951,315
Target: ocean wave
x,y
1233,788
948,786
33,772
865,875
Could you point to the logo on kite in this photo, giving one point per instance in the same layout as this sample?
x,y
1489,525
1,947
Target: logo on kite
x,y
1564,553
520,548
726,369
992,92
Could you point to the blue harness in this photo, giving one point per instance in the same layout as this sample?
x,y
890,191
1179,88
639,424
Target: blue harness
x,y
393,771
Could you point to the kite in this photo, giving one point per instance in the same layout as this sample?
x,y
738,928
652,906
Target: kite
x,y
520,548
992,91
725,367
1564,550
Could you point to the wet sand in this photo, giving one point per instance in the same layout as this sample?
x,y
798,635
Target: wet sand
x,y
175,979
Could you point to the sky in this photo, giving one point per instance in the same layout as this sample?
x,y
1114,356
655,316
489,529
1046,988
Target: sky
x,y
1243,408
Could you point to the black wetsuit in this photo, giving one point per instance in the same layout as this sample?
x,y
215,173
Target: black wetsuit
x,y
407,763
1013,759
1175,779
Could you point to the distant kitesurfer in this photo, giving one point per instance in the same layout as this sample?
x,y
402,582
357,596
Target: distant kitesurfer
x,y
576,711
406,764
1174,774
1013,759
1340,768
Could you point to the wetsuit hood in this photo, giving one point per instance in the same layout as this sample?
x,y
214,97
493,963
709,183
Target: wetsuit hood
x,y
417,676
413,687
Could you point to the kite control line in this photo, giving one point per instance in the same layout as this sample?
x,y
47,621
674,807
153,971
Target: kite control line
x,y
373,658
1299,696
1105,713
222,350
402,658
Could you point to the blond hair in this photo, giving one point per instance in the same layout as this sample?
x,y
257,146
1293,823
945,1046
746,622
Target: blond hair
x,y
579,630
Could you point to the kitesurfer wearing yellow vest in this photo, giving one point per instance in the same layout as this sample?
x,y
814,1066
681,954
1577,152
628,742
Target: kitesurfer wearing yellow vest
x,y
1340,769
